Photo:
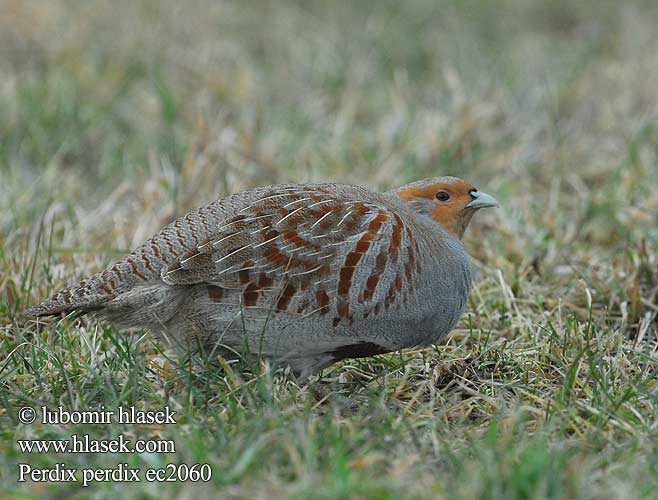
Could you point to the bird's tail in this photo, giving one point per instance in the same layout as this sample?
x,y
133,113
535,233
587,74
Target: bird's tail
x,y
85,296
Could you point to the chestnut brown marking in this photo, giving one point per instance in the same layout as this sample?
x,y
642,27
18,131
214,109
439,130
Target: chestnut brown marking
x,y
282,259
380,261
282,212
156,250
373,279
287,295
252,292
243,274
346,273
396,237
250,295
301,263
396,286
264,281
327,223
343,309
353,259
323,209
345,281
377,222
215,293
364,243
274,255
269,233
323,301
105,288
360,209
147,262
134,268
371,286
296,215
390,296
294,238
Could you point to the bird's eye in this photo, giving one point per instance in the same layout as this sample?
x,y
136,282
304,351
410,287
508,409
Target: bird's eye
x,y
443,196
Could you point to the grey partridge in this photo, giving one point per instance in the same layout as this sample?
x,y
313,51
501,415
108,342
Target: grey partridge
x,y
305,274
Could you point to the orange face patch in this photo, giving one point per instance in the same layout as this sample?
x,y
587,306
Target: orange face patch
x,y
459,188
451,213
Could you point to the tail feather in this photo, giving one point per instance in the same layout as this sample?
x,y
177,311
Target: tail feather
x,y
92,293
85,296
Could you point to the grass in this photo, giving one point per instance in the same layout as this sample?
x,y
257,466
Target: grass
x,y
117,116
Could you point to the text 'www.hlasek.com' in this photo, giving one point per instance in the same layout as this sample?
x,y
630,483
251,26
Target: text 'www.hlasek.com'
x,y
80,443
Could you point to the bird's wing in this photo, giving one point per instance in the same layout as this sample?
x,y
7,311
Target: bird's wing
x,y
344,252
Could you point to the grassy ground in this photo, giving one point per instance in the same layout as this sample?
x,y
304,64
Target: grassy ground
x,y
117,116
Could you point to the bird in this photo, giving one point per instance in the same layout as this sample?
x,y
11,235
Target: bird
x,y
303,274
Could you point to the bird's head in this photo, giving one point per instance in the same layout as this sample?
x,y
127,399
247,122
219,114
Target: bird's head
x,y
448,200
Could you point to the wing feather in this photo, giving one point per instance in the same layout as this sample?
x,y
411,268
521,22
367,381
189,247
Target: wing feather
x,y
341,251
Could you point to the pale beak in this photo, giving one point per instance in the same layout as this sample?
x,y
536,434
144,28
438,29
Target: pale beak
x,y
482,200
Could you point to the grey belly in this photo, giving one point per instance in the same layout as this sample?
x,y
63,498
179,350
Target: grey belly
x,y
219,320
226,322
